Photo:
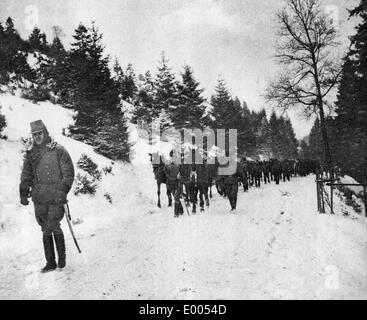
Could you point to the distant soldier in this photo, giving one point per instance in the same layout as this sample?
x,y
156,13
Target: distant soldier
x,y
276,170
245,169
203,183
286,170
48,173
256,173
266,171
231,187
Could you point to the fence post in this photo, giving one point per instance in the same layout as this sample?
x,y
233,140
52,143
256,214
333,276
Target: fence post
x,y
317,192
322,197
331,197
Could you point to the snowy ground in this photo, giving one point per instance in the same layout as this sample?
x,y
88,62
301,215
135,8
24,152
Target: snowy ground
x,y
275,247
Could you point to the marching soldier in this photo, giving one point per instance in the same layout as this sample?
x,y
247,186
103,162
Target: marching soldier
x,y
231,187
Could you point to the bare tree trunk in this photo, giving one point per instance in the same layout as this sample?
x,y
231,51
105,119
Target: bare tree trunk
x,y
324,134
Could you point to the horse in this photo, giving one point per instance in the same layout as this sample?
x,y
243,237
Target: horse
x,y
160,177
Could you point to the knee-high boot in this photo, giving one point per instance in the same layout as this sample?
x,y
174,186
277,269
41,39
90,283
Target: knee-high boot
x,y
60,246
48,246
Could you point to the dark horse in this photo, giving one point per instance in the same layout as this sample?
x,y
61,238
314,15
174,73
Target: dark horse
x,y
160,177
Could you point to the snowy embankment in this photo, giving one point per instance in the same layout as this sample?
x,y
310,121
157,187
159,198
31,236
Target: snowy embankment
x,y
275,247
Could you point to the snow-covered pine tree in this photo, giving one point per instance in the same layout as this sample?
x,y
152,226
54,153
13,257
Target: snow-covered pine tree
x,y
125,81
59,69
226,112
166,97
13,54
111,140
350,128
190,109
144,105
221,102
93,91
129,86
42,83
37,41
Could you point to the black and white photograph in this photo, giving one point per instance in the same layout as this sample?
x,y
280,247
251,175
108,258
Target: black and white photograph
x,y
182,150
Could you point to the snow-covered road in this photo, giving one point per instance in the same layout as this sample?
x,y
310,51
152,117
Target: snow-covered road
x,y
275,247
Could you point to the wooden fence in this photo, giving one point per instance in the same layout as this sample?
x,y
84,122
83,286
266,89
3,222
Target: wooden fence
x,y
324,199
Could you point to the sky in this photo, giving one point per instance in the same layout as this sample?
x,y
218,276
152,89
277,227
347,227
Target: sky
x,y
229,39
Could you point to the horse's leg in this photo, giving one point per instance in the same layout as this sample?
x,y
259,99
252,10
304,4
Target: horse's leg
x,y
187,194
210,190
201,191
206,189
169,195
159,193
193,198
218,188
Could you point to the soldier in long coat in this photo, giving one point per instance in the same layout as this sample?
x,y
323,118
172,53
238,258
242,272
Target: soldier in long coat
x,y
48,174
231,186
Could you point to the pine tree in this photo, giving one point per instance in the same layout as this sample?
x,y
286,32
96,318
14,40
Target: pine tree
x,y
190,110
304,150
144,105
290,142
37,41
93,91
130,88
248,138
315,142
165,88
111,139
126,82
13,54
276,128
59,70
227,113
221,102
350,124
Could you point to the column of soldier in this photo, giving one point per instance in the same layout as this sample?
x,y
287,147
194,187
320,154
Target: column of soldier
x,y
188,182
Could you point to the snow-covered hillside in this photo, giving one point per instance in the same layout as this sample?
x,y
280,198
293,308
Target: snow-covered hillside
x,y
17,222
276,245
